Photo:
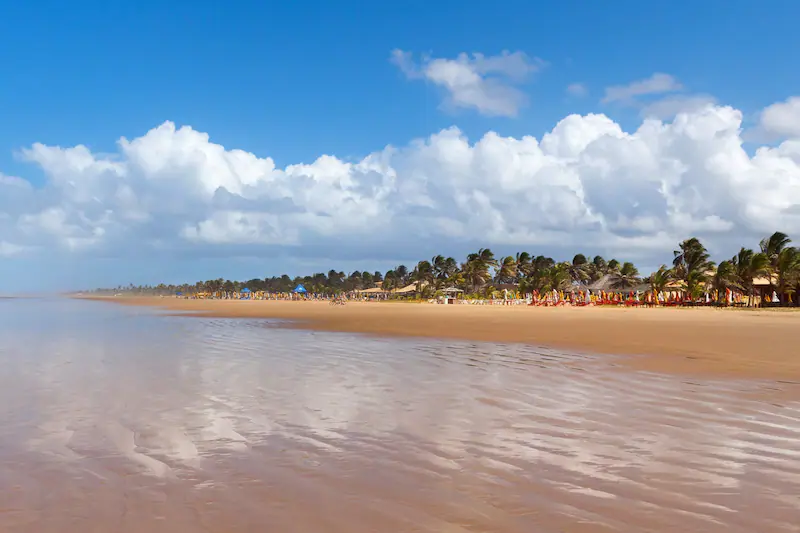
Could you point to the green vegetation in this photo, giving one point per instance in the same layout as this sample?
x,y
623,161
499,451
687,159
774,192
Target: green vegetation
x,y
481,273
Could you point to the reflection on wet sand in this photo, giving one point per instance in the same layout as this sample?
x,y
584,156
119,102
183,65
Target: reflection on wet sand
x,y
116,420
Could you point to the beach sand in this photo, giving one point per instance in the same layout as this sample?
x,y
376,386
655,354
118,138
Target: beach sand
x,y
712,342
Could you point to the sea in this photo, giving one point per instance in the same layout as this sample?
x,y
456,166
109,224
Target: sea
x,y
122,419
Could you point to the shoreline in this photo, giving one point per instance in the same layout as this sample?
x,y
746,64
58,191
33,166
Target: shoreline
x,y
756,344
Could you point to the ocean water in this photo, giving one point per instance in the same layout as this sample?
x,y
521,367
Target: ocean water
x,y
118,419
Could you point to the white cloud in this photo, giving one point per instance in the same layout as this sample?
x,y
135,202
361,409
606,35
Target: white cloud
x,y
658,83
655,97
782,118
578,90
670,106
585,184
484,83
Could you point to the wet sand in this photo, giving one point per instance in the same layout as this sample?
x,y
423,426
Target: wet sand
x,y
711,342
113,419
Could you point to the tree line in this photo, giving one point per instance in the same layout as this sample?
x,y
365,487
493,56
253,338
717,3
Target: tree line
x,y
691,270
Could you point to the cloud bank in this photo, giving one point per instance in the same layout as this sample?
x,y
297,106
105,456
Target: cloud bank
x,y
585,184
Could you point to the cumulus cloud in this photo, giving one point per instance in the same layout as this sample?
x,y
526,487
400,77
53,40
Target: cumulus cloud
x,y
487,84
658,83
782,118
586,184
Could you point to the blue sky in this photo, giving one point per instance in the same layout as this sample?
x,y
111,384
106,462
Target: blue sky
x,y
294,81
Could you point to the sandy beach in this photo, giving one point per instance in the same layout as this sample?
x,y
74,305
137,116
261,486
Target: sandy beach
x,y
734,343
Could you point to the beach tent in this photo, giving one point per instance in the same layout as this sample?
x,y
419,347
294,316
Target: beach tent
x,y
300,289
246,290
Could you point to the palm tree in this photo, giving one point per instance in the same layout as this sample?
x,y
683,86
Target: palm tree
x,y
437,263
507,270
597,268
748,266
523,261
725,277
788,271
401,273
692,264
626,277
578,269
659,280
390,280
773,245
538,272
476,268
556,277
423,274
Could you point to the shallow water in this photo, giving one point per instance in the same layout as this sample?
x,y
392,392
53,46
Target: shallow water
x,y
114,419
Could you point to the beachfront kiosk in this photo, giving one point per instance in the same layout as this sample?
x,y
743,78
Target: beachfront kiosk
x,y
451,295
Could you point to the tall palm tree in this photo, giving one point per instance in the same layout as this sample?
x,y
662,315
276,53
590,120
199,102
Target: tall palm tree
x,y
507,270
390,280
523,261
626,277
725,277
773,245
659,280
423,274
557,277
537,278
692,265
438,265
750,265
476,268
579,269
597,268
788,271
401,273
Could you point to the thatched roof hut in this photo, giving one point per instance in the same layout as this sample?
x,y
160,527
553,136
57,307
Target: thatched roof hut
x,y
407,289
603,284
373,290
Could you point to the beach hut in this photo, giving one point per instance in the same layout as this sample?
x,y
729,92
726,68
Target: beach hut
x,y
605,283
245,294
450,295
373,293
408,289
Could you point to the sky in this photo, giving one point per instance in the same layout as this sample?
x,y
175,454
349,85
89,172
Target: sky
x,y
180,141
